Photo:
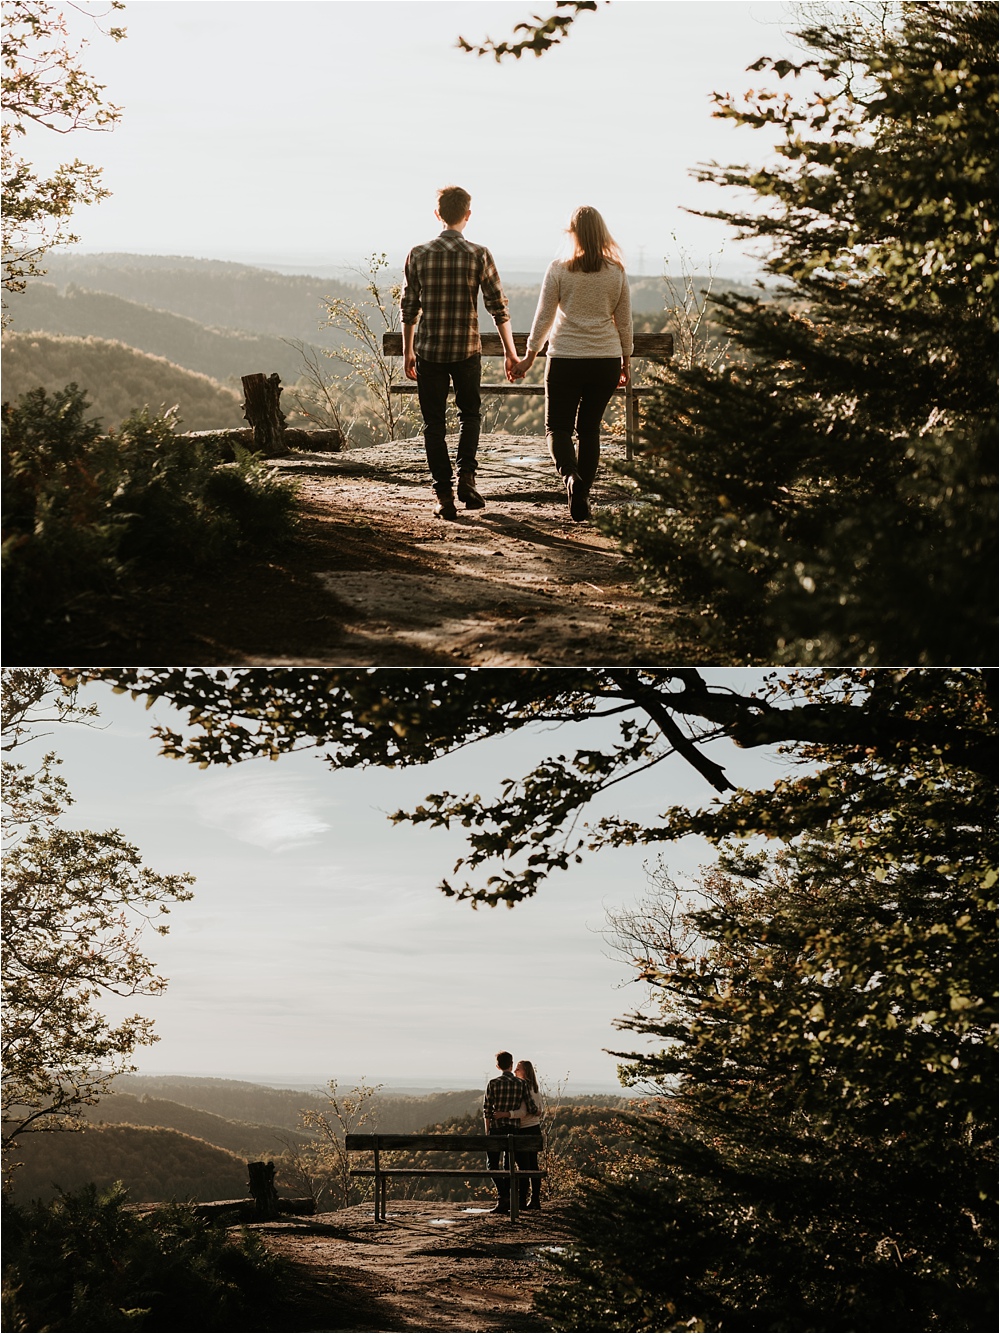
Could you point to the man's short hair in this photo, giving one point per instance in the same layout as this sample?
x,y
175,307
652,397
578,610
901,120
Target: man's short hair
x,y
453,203
504,1060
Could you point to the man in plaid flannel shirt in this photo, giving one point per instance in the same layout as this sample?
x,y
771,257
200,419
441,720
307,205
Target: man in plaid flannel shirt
x,y
441,284
503,1096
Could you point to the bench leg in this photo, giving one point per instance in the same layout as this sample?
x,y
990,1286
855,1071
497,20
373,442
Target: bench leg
x,y
512,1169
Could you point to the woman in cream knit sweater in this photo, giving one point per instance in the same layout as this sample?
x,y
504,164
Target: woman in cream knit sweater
x,y
528,1117
585,312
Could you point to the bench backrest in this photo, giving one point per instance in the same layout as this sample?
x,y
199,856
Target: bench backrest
x,y
446,1143
659,345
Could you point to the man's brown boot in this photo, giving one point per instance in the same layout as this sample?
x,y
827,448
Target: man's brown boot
x,y
445,508
467,492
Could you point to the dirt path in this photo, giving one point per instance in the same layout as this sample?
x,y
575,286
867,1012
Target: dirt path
x,y
516,584
374,579
429,1266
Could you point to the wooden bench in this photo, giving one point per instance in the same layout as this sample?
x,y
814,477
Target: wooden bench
x,y
657,347
379,1144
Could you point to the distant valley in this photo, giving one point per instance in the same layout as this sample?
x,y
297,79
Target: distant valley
x,y
207,317
190,1138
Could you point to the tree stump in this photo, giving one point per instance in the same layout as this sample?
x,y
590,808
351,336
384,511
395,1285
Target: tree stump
x,y
265,1196
260,407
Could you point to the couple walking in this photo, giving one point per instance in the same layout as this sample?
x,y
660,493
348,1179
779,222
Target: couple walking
x,y
584,311
512,1105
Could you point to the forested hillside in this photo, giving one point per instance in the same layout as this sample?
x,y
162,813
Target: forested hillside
x,y
234,1099
222,295
222,353
213,292
163,1148
118,380
226,320
154,1164
265,1107
246,1138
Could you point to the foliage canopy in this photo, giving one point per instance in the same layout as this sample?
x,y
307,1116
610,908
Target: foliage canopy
x,y
45,84
75,905
88,1262
400,717
540,33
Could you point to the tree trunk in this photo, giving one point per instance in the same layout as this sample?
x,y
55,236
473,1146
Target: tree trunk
x,y
260,408
261,1179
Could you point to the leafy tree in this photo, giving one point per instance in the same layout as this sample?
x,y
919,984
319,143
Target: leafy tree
x,y
833,498
826,1157
44,84
323,1169
75,905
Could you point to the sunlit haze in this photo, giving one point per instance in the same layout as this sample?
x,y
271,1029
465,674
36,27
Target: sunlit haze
x,y
312,133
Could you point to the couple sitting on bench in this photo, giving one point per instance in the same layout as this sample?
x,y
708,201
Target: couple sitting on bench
x,y
584,315
512,1106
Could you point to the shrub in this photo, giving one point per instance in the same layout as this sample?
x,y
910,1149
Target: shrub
x,y
86,510
86,1262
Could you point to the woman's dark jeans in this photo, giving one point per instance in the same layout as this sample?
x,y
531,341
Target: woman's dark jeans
x,y
434,379
577,390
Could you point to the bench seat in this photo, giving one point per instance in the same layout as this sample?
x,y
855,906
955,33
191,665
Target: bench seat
x,y
379,1144
460,1172
518,387
651,347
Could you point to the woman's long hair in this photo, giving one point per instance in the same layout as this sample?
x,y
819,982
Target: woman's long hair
x,y
529,1076
593,244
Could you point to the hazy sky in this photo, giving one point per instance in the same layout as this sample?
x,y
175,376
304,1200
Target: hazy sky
x,y
315,132
317,944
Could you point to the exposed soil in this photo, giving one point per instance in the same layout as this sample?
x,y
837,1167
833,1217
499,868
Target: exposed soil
x,y
375,579
429,1266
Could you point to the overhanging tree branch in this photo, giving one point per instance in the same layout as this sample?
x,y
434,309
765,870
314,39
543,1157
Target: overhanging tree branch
x,y
541,33
868,722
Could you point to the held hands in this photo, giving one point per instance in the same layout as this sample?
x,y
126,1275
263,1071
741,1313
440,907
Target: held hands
x,y
516,370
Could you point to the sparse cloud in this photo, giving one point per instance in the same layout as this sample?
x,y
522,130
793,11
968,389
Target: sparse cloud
x,y
276,811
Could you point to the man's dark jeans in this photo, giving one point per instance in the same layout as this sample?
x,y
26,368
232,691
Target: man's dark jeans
x,y
434,379
498,1158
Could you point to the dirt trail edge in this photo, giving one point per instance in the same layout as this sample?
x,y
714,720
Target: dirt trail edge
x,y
429,1266
516,584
